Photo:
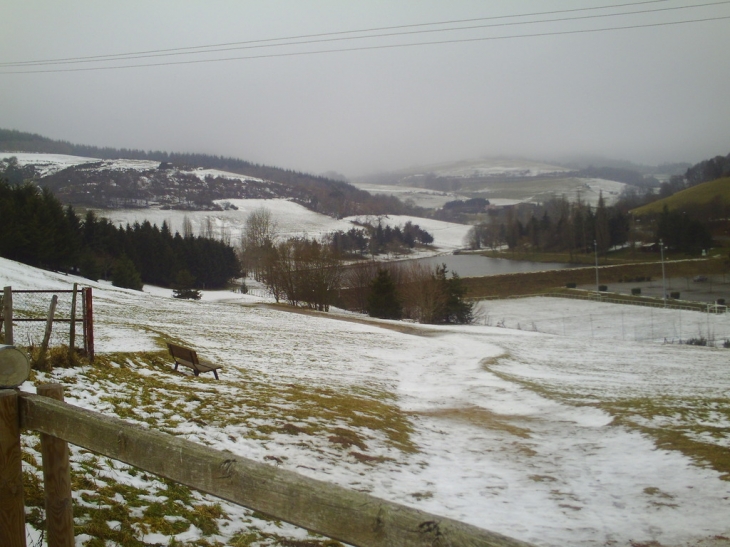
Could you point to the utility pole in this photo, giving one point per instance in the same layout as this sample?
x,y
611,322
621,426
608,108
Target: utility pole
x,y
664,283
595,248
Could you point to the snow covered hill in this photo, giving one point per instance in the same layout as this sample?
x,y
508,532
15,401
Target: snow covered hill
x,y
140,183
557,440
291,219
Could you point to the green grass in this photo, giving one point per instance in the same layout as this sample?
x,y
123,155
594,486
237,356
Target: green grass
x,y
702,194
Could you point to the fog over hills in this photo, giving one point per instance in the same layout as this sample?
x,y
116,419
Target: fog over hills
x,y
320,86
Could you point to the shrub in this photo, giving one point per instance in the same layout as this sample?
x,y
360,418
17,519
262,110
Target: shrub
x,y
184,286
571,285
699,341
674,294
636,291
603,288
719,301
726,344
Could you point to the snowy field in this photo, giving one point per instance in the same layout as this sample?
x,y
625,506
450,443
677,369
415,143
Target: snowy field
x,y
545,436
421,197
583,319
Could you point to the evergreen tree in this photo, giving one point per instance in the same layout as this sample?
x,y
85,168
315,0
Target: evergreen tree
x,y
126,275
383,301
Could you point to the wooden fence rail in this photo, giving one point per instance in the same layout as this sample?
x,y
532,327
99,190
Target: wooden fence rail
x,y
333,511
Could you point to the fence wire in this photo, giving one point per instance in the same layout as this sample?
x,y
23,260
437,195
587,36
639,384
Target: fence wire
x,y
635,323
35,305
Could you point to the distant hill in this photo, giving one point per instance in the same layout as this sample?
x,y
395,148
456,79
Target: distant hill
x,y
324,195
694,197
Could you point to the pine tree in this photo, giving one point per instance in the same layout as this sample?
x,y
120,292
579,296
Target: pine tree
x,y
383,301
125,275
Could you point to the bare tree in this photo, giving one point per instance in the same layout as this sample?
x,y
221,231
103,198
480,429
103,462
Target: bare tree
x,y
206,229
258,239
421,294
304,272
187,227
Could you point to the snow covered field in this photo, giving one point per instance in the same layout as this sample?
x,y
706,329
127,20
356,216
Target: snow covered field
x,y
585,320
550,438
421,197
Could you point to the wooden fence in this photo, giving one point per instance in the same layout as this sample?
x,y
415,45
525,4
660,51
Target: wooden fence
x,y
10,315
333,511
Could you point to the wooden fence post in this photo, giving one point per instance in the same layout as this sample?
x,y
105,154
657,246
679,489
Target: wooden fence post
x,y
72,329
49,328
89,322
57,479
8,314
12,505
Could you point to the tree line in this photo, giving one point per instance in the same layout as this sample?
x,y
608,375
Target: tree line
x,y
36,229
557,225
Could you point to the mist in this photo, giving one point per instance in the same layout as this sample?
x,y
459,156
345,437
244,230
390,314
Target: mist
x,y
649,94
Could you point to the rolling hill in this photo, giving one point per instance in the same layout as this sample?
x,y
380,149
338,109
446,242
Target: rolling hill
x,y
110,177
697,196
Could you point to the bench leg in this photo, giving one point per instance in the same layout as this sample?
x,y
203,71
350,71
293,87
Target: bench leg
x,y
215,372
196,372
175,366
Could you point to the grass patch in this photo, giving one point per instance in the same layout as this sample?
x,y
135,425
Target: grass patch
x,y
699,195
167,399
482,418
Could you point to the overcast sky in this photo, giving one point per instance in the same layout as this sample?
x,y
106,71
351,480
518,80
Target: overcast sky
x,y
648,94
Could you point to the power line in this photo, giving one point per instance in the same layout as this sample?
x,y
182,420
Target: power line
x,y
375,29
119,57
367,48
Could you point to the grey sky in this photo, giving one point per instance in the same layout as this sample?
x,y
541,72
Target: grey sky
x,y
645,94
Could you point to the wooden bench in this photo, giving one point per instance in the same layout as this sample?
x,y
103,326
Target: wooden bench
x,y
188,358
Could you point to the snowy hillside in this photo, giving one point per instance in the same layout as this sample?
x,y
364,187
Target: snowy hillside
x,y
547,438
291,219
45,164
182,182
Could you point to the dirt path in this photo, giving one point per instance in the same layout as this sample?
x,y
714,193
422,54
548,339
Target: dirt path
x,y
401,327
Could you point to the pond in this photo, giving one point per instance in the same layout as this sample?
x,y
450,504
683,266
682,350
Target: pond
x,y
472,265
